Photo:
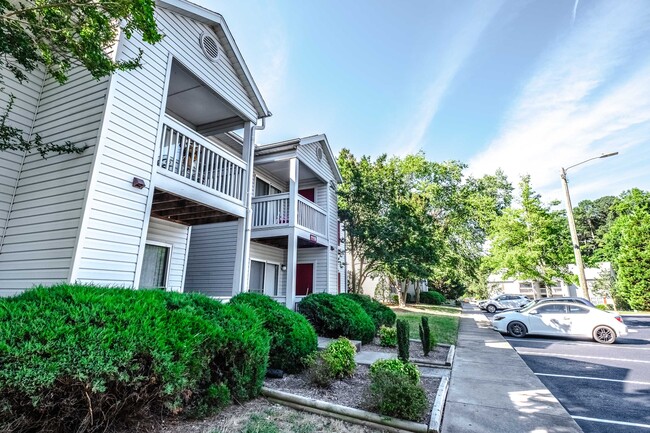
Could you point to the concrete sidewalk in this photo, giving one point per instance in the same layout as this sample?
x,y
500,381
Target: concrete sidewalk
x,y
493,390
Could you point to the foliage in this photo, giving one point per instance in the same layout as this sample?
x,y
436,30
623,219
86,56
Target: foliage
x,y
393,393
403,342
58,36
387,336
432,298
293,339
320,373
593,219
86,359
443,323
410,370
380,314
531,242
339,357
337,316
428,342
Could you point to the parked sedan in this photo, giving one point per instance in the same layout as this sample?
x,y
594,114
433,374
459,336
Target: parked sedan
x,y
503,302
561,319
571,299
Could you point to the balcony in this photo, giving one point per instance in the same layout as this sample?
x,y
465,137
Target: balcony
x,y
272,211
190,158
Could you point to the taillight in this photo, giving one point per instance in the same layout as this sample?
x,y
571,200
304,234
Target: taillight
x,y
619,318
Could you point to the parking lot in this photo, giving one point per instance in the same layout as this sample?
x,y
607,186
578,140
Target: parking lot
x,y
605,388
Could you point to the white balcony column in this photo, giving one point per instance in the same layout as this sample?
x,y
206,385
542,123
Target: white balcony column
x,y
240,281
294,171
292,247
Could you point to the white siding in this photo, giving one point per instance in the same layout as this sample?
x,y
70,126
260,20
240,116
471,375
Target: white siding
x,y
267,253
176,235
44,222
211,259
307,155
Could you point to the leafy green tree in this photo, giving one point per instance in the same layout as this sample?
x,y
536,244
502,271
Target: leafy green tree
x,y
56,36
593,219
531,241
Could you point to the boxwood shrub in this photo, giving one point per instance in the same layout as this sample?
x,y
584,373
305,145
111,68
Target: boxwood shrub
x,y
432,298
337,316
378,312
89,359
293,339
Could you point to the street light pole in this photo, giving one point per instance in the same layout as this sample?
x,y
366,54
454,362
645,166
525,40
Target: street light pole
x,y
572,224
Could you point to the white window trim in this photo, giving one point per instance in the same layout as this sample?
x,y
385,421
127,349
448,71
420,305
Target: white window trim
x,y
270,262
269,181
167,265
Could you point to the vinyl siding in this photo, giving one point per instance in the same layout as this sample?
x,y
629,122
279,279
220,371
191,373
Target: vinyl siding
x,y
267,253
178,236
43,227
211,259
318,256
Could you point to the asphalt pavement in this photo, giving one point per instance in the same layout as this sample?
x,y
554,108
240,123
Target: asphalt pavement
x,y
605,388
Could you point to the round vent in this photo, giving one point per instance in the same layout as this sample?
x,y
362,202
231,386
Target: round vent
x,y
210,47
319,153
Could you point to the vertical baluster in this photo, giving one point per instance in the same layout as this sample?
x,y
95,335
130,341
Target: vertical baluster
x,y
196,173
171,163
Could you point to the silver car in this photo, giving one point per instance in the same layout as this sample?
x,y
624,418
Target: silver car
x,y
503,302
569,299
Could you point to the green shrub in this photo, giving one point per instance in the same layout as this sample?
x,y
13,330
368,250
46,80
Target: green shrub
x,y
387,336
403,342
86,359
339,356
425,336
336,316
293,339
320,374
432,298
393,393
378,312
396,365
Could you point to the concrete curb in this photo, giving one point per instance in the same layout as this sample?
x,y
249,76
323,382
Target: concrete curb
x,y
451,355
439,406
343,412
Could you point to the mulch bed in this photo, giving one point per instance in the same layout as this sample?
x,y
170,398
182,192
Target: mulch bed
x,y
351,392
437,355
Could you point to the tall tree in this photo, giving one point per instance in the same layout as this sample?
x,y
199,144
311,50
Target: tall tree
x,y
593,219
531,241
57,35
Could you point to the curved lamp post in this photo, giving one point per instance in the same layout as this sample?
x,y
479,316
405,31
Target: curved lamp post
x,y
572,224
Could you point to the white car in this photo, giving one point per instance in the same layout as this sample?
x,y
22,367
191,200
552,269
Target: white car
x,y
503,302
561,319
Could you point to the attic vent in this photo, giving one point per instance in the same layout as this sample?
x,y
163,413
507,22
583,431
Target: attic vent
x,y
210,47
319,153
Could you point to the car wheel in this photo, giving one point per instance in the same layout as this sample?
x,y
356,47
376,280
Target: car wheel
x,y
604,335
491,308
517,329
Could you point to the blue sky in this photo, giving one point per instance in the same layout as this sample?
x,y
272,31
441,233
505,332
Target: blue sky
x,y
526,86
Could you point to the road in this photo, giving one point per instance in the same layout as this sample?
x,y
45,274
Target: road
x,y
606,388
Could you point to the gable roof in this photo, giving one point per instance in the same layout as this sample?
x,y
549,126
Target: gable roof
x,y
215,20
293,144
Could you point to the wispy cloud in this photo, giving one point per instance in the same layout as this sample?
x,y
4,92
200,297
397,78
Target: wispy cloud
x,y
464,34
591,95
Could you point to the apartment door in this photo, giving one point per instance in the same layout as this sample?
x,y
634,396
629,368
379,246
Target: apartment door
x,y
304,279
308,193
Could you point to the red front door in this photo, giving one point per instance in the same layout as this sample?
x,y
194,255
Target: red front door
x,y
308,193
304,279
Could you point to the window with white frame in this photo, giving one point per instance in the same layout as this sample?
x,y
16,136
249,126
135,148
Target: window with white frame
x,y
263,188
264,278
155,265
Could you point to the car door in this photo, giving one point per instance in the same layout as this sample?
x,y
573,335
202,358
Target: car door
x,y
549,319
579,320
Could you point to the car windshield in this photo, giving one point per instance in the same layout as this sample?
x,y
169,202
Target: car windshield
x,y
528,306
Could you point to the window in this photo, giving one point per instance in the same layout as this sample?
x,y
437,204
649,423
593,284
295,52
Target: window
x,y
574,309
154,267
263,188
264,278
552,309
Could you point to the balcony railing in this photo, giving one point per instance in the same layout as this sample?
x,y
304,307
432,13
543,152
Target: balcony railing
x,y
188,154
273,211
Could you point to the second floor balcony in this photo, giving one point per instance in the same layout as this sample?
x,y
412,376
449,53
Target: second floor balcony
x,y
273,211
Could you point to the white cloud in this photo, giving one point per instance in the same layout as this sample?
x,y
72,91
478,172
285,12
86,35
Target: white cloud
x,y
463,37
590,96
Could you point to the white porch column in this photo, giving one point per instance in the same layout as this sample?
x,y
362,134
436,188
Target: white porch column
x,y
244,233
292,247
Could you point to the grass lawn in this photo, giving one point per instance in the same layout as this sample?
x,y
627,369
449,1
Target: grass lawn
x,y
442,320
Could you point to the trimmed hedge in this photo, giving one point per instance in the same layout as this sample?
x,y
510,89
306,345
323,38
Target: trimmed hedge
x,y
337,316
378,312
432,298
293,339
89,359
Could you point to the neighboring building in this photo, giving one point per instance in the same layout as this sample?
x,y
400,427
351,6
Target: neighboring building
x,y
162,197
498,285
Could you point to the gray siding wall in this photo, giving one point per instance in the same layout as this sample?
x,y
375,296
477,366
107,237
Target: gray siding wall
x,y
44,223
267,253
211,259
318,256
178,236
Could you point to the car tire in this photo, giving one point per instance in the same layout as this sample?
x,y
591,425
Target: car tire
x,y
491,309
604,335
517,329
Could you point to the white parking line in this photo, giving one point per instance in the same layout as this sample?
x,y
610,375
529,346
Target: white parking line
x,y
592,378
576,343
561,355
608,421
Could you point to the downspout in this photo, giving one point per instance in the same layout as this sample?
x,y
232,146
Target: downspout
x,y
249,208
